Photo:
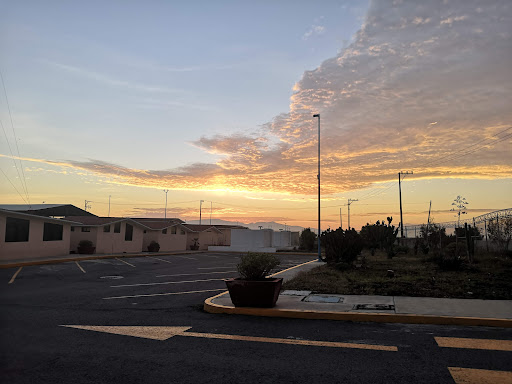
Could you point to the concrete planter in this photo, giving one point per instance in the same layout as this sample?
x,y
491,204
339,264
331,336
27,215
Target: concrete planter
x,y
254,293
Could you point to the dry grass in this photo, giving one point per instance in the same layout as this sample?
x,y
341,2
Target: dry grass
x,y
489,277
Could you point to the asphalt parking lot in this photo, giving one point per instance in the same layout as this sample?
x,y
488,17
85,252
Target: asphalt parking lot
x,y
48,311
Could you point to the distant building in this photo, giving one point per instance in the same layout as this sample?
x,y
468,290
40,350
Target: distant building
x,y
263,240
108,234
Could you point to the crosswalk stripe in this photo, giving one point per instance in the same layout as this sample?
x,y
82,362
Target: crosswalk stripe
x,y
490,344
479,376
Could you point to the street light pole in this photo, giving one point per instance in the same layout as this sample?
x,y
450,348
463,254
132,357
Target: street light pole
x,y
165,211
200,209
318,176
400,195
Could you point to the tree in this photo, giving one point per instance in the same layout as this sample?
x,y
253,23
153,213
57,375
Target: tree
x,y
380,235
500,231
341,247
307,240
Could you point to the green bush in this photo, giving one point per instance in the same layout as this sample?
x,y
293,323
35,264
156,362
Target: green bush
x,y
85,243
307,240
341,247
257,266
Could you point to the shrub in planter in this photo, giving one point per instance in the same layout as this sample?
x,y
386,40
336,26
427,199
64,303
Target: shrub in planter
x,y
86,247
254,288
153,247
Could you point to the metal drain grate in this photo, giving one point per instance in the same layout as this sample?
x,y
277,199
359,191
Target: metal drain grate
x,y
323,299
375,307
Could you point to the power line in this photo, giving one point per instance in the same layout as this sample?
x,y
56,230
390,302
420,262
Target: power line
x,y
13,185
24,180
458,154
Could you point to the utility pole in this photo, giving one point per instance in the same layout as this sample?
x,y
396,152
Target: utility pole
x,y
350,201
109,196
200,209
341,222
319,225
400,193
165,211
87,204
211,204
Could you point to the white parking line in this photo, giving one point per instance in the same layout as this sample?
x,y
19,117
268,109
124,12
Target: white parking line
x,y
14,276
79,266
163,283
215,267
163,294
185,257
131,265
194,274
156,258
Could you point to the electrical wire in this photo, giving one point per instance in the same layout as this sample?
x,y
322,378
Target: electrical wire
x,y
24,180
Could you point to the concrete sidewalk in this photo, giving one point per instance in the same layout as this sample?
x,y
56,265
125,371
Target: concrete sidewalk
x,y
387,309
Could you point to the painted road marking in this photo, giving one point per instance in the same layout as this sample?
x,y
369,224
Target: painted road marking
x,y
79,266
164,333
14,276
163,294
215,267
491,344
185,257
479,376
163,283
131,265
156,258
194,274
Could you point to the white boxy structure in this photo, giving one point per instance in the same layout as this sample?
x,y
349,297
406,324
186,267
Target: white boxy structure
x,y
262,240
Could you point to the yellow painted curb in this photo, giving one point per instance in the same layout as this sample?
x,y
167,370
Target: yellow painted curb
x,y
210,307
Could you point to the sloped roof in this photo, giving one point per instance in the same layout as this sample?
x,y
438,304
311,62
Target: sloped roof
x,y
158,223
199,227
47,209
38,217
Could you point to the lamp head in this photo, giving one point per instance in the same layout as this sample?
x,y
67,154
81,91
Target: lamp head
x,y
316,115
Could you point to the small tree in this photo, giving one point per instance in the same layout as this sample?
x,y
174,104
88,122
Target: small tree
x,y
500,231
341,247
307,240
380,235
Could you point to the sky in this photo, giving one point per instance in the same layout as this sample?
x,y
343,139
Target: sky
x,y
214,101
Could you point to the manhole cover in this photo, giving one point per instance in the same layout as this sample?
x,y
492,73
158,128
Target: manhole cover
x,y
295,293
114,277
375,307
323,299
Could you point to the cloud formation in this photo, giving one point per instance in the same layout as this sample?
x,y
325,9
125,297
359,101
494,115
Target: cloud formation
x,y
425,86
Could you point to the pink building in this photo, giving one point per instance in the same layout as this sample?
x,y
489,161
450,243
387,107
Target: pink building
x,y
108,234
29,237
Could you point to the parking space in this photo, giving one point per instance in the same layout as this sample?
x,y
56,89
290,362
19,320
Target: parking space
x,y
153,279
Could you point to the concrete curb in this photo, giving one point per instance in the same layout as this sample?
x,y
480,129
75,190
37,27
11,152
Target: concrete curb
x,y
211,307
93,257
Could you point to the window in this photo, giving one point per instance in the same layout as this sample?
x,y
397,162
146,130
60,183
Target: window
x,y
52,232
128,235
86,229
72,229
16,230
164,231
173,230
117,227
106,228
182,231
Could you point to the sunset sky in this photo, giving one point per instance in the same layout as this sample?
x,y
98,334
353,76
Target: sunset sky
x,y
214,101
